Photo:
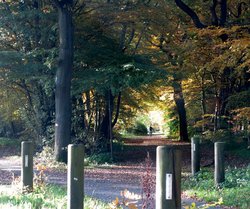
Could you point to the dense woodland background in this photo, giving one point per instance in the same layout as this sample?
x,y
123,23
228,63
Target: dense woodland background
x,y
121,59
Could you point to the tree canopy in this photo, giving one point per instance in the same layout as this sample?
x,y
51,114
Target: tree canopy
x,y
108,61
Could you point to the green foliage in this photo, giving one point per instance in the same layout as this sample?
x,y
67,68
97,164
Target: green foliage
x,y
234,191
219,135
7,142
98,159
46,158
238,100
242,151
138,129
51,197
27,48
128,48
118,145
172,123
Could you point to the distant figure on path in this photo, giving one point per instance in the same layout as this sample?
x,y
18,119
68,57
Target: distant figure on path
x,y
151,130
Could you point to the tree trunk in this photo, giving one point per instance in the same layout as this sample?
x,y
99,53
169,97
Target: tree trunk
x,y
180,104
63,82
87,108
217,112
117,109
203,102
223,12
105,124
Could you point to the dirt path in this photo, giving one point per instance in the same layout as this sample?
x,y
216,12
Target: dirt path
x,y
107,183
104,183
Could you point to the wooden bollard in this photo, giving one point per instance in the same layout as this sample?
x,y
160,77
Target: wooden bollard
x,y
195,154
75,176
168,178
27,149
219,171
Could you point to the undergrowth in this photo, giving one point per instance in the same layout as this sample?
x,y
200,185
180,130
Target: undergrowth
x,y
46,157
9,142
233,192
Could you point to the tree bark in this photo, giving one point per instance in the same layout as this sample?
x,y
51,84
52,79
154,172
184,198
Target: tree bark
x,y
180,104
105,124
223,12
217,112
213,13
203,101
117,109
63,82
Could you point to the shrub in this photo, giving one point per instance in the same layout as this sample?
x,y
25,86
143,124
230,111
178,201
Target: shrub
x,y
138,129
97,159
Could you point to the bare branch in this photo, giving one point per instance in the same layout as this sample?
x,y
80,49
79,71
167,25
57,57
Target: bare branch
x,y
185,8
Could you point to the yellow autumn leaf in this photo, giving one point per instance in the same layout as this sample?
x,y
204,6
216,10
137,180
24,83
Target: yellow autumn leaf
x,y
220,201
132,206
193,205
116,201
41,167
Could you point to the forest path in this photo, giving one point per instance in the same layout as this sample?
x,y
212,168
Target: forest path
x,y
104,183
107,182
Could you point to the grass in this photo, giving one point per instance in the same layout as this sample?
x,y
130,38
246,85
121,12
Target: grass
x,y
4,142
49,196
233,192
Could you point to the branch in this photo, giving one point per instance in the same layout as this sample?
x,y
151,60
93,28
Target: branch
x,y
122,46
190,13
132,34
139,38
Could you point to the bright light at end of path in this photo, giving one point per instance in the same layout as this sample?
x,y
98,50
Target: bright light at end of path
x,y
156,118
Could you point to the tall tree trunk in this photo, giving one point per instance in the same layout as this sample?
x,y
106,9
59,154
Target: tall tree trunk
x,y
213,13
180,104
63,82
217,112
203,101
87,108
223,12
105,124
118,104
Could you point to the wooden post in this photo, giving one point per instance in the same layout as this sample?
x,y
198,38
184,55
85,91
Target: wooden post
x,y
219,172
168,178
27,150
75,176
195,154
